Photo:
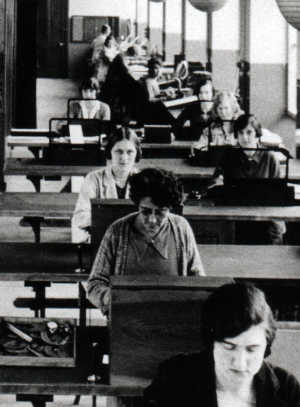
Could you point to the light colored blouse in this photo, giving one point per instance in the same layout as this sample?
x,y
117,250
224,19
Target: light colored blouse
x,y
97,184
95,110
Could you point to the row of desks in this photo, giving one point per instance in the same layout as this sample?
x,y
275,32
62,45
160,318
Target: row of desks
x,y
43,142
50,204
35,170
33,167
60,262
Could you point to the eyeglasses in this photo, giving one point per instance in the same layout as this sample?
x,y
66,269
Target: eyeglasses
x,y
157,212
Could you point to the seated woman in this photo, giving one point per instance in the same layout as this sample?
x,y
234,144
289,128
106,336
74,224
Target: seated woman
x,y
99,41
238,332
237,163
90,108
199,114
150,241
220,132
151,82
124,150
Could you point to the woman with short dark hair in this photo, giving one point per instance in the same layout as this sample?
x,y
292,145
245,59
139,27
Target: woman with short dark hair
x,y
150,241
123,151
238,331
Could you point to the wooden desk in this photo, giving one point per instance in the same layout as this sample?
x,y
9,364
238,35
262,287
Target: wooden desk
x,y
60,262
36,144
48,262
235,213
35,170
202,217
42,141
35,206
19,204
153,319
41,264
73,381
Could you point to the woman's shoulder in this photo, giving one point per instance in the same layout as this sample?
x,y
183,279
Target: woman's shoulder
x,y
180,222
178,219
96,174
124,221
284,382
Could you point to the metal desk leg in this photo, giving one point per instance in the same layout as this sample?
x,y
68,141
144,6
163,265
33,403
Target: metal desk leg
x,y
39,287
36,180
35,223
82,305
37,400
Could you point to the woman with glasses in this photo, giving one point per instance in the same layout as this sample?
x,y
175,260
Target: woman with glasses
x,y
238,332
150,241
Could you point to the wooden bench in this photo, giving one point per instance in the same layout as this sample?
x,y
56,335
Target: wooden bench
x,y
278,273
46,209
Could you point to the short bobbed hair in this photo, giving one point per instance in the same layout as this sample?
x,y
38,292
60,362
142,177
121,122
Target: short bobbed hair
x,y
154,61
243,121
88,84
233,309
105,29
202,82
123,133
223,95
160,185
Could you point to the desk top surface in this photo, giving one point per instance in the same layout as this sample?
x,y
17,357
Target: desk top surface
x,y
53,204
43,141
235,213
37,204
180,166
60,262
33,167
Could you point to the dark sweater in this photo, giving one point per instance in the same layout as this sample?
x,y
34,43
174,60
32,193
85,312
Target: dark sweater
x,y
189,380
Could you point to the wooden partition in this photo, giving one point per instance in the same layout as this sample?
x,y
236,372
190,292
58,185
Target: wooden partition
x,y
104,213
152,319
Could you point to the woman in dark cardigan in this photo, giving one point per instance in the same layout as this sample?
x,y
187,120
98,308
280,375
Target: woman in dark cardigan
x,y
239,330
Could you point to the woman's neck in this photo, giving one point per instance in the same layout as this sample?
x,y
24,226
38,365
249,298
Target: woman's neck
x,y
120,176
244,392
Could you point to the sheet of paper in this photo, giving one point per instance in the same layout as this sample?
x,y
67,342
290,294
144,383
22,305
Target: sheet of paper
x,y
76,134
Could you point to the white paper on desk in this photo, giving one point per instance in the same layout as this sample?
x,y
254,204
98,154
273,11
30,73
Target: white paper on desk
x,y
76,134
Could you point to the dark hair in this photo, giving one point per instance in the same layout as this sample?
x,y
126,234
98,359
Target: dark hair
x,y
233,309
154,61
88,84
243,121
123,133
110,40
105,29
160,185
202,82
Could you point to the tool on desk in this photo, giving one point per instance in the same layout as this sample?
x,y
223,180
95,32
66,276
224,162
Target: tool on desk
x,y
18,332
